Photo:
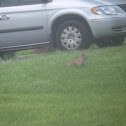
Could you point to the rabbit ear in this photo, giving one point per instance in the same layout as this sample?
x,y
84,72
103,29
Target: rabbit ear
x,y
81,53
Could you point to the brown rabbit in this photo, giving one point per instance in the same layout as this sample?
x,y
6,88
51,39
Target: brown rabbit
x,y
79,62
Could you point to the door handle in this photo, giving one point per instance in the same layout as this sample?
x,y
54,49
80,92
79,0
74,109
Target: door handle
x,y
4,17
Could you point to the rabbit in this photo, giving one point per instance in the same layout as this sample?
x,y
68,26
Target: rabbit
x,y
79,62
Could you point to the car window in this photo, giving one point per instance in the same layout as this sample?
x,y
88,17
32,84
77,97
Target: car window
x,y
4,3
9,3
29,2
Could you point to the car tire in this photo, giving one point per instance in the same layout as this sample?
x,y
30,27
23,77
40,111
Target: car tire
x,y
110,42
2,54
73,34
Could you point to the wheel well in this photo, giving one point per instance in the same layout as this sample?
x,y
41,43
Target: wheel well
x,y
64,18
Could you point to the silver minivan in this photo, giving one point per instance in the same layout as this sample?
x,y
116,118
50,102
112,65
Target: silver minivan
x,y
68,24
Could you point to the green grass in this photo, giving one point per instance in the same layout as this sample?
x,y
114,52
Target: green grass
x,y
43,90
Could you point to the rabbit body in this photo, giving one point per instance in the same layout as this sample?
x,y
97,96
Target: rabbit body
x,y
79,62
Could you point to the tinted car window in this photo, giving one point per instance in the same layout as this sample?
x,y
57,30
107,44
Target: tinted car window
x,y
29,2
9,3
6,3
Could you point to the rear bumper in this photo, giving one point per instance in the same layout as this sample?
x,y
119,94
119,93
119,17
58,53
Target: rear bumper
x,y
110,27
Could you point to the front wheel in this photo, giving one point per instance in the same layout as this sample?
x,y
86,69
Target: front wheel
x,y
73,35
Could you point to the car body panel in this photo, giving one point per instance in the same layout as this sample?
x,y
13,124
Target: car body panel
x,y
31,25
100,25
26,25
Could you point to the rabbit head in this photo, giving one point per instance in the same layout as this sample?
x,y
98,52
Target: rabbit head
x,y
83,55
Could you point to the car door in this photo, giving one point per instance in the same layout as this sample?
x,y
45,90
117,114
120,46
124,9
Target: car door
x,y
23,23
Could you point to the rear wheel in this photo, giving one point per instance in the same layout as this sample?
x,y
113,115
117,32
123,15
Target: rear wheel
x,y
73,35
7,55
110,42
2,54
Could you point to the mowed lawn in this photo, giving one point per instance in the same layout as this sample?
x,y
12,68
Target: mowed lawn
x,y
43,90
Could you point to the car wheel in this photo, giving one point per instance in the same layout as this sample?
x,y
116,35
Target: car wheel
x,y
2,54
73,35
110,42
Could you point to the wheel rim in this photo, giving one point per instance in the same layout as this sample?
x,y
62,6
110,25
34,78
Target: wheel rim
x,y
71,38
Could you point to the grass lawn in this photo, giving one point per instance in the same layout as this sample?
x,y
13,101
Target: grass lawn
x,y
43,90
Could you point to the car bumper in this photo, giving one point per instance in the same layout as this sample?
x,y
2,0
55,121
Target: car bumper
x,y
109,27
